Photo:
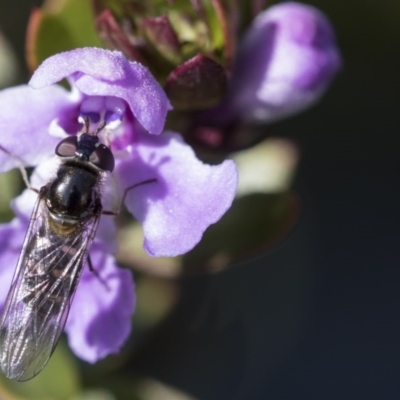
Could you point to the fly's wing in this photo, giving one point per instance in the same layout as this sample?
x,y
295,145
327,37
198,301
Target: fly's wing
x,y
41,293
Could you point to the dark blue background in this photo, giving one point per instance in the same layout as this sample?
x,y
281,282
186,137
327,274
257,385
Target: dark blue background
x,y
317,318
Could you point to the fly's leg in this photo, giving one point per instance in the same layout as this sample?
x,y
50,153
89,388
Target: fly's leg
x,y
109,212
21,167
126,191
96,273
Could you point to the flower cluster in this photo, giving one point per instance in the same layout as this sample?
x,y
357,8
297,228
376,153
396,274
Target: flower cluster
x,y
283,64
174,211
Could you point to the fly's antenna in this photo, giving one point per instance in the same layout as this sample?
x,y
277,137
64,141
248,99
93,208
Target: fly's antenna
x,y
99,128
86,123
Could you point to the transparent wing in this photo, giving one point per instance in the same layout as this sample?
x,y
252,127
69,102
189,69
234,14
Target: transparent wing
x,y
41,293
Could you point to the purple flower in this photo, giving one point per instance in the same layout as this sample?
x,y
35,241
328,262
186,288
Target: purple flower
x,y
285,63
186,198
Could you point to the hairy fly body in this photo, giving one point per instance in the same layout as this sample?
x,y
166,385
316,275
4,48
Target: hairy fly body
x,y
62,228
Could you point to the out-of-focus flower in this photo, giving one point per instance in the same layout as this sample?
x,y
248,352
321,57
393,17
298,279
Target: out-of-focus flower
x,y
174,211
286,61
284,64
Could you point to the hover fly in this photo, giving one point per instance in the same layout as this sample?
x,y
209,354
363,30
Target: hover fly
x,y
56,248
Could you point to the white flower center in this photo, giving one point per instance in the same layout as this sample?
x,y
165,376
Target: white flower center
x,y
106,110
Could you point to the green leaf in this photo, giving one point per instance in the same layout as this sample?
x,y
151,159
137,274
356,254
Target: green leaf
x,y
58,380
10,184
98,394
253,225
60,26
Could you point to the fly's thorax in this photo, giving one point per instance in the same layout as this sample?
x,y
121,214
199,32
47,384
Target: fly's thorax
x,y
74,194
62,225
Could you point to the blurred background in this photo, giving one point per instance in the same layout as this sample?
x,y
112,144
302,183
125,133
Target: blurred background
x,y
317,317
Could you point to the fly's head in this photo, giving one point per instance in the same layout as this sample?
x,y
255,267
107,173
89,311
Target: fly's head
x,y
87,149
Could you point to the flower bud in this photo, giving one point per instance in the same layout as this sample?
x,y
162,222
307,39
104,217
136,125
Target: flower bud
x,y
285,63
186,45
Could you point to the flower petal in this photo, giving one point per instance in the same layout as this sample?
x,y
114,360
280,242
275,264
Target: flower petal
x,y
25,117
98,63
99,72
100,318
187,197
285,63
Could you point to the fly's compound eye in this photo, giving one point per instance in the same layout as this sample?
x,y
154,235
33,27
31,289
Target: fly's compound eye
x,y
67,147
102,158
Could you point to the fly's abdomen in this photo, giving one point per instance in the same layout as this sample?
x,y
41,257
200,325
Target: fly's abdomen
x,y
49,267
